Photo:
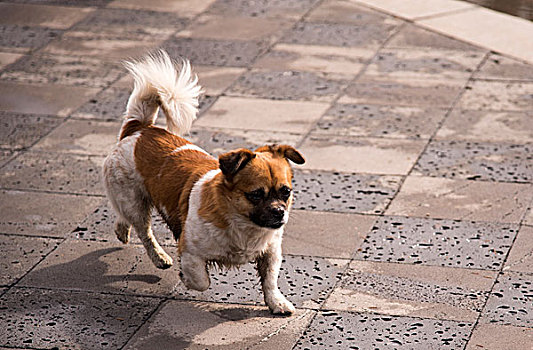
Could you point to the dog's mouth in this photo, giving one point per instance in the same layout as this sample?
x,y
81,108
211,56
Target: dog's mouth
x,y
272,223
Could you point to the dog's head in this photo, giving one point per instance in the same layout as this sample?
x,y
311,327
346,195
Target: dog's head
x,y
260,183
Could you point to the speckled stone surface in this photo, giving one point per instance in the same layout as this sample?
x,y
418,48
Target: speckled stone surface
x,y
22,130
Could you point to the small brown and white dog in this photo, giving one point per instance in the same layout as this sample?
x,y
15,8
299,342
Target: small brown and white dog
x,y
226,211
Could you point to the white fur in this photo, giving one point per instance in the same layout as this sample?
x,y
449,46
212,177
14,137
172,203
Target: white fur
x,y
161,82
189,147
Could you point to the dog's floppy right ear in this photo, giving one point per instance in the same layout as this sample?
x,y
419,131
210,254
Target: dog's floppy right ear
x,y
232,162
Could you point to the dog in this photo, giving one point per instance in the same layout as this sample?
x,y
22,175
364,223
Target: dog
x,y
226,212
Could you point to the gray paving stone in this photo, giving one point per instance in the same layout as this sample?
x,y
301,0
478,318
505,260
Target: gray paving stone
x,y
438,242
54,172
5,156
502,68
57,17
343,330
382,121
511,301
288,85
217,141
498,96
343,192
402,93
25,37
214,52
366,35
305,281
22,130
21,254
31,213
73,320
347,12
263,8
98,3
76,71
477,161
109,105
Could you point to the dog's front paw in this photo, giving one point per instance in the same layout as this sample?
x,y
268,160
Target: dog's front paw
x,y
162,261
279,305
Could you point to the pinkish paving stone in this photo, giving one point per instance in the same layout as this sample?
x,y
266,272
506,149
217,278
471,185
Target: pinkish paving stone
x,y
520,258
57,17
291,9
498,96
181,8
23,130
380,121
74,320
346,11
477,161
503,68
215,80
495,337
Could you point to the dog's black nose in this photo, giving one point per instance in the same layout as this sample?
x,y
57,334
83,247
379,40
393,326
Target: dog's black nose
x,y
277,213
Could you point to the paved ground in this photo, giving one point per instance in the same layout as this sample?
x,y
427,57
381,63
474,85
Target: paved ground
x,y
412,227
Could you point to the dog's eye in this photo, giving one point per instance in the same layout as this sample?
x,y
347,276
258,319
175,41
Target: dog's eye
x,y
284,192
256,195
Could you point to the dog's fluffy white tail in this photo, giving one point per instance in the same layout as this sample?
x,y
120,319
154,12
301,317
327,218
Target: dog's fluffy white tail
x,y
161,82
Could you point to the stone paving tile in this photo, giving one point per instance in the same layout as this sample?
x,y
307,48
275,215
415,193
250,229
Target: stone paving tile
x,y
54,172
343,330
262,114
503,68
182,8
218,326
490,126
335,34
461,199
289,85
217,141
528,218
43,99
495,337
73,3
409,290
22,130
30,213
55,17
328,61
77,320
424,64
215,80
520,258
305,281
477,161
236,28
511,301
81,137
420,93
380,121
290,9
414,37
346,11
438,242
343,192
6,58
20,254
233,53
324,234
107,267
22,38
109,104
99,226
56,69
498,96
5,156
361,155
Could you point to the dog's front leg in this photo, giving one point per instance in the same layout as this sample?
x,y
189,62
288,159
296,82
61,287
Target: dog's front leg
x,y
268,266
194,272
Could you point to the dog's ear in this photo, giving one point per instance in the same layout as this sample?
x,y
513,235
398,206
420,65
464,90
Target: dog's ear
x,y
285,151
232,162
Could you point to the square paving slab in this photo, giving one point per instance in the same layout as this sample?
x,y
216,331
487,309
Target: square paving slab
x,y
22,38
511,301
324,234
305,281
109,104
31,213
408,290
6,58
495,337
521,256
289,85
438,242
57,17
346,11
215,80
461,199
477,161
489,126
54,172
343,330
232,53
218,326
23,130
182,8
73,320
343,192
5,156
503,68
291,9
380,121
498,96
21,254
